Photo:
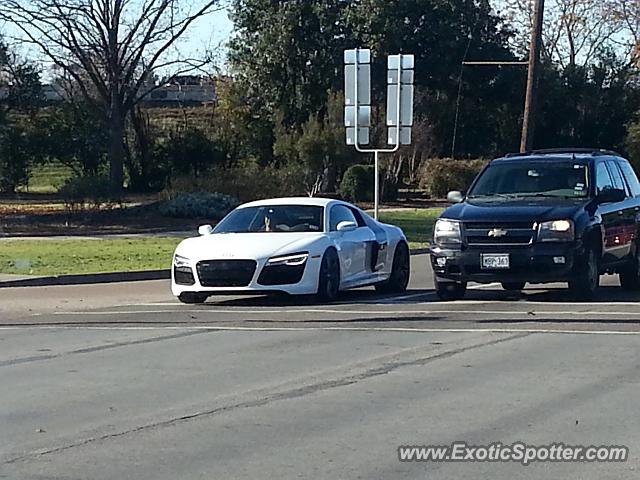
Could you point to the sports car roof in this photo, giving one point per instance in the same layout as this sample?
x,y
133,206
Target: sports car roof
x,y
313,201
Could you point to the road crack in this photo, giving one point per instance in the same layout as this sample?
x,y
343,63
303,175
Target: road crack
x,y
288,394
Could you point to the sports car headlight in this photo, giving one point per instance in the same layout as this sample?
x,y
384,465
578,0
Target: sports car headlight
x,y
291,260
447,232
180,261
556,231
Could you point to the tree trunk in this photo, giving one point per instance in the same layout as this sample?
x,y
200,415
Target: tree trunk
x,y
116,147
139,172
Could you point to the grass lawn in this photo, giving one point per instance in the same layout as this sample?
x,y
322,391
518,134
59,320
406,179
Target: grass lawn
x,y
60,257
417,224
48,178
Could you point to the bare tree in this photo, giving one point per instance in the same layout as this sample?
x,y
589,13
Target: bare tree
x,y
574,32
627,13
110,48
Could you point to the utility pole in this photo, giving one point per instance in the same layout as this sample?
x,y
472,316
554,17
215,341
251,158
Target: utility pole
x,y
529,121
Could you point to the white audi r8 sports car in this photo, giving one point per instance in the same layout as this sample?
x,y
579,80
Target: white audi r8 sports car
x,y
298,246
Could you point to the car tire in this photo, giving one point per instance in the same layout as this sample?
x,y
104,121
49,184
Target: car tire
x,y
193,297
586,281
449,291
630,278
329,278
400,271
513,286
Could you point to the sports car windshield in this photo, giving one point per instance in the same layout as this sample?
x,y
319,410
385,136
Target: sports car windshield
x,y
561,179
273,218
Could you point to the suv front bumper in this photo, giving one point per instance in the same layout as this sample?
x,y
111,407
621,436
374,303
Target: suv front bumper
x,y
536,263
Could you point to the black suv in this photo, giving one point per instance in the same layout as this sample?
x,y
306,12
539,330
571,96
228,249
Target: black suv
x,y
540,217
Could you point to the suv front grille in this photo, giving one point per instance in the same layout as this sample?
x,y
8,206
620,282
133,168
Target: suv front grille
x,y
499,233
226,273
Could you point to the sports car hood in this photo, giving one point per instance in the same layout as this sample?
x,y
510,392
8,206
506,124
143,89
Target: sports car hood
x,y
510,211
245,245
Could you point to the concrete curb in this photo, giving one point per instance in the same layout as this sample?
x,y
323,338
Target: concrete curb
x,y
89,278
114,277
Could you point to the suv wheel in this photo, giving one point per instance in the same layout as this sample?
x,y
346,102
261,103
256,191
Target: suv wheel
x,y
449,291
630,278
587,279
513,286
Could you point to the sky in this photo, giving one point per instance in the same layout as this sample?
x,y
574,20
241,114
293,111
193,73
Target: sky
x,y
208,34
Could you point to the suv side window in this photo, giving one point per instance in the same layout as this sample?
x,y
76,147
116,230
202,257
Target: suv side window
x,y
618,182
603,179
340,213
631,177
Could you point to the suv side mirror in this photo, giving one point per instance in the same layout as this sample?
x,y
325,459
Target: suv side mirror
x,y
205,229
346,226
455,196
611,195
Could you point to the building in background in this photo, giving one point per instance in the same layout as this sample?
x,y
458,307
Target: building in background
x,y
185,90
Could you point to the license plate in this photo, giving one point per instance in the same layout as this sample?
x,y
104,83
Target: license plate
x,y
495,261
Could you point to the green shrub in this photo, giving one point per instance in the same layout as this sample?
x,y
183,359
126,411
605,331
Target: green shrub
x,y
189,152
16,149
198,205
632,145
440,176
357,183
246,182
94,192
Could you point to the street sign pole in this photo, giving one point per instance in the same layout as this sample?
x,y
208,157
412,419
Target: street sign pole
x,y
399,106
376,184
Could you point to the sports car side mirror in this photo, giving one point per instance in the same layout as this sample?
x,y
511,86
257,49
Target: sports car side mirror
x,y
205,229
347,226
455,196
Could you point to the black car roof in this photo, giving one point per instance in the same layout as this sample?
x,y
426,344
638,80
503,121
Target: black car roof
x,y
593,152
545,158
581,155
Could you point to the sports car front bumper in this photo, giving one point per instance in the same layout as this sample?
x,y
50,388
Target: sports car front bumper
x,y
224,276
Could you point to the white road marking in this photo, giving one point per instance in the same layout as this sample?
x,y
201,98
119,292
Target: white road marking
x,y
384,300
530,312
524,301
325,329
480,287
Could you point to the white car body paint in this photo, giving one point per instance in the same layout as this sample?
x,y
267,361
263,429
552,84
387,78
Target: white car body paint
x,y
260,246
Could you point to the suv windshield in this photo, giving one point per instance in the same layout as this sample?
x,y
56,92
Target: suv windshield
x,y
561,179
273,218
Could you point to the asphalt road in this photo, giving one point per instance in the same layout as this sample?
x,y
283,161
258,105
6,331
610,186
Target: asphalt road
x,y
119,381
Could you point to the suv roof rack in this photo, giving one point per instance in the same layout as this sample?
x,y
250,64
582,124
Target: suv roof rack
x,y
595,152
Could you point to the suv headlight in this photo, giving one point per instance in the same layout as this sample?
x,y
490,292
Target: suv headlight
x,y
556,231
180,261
291,260
447,232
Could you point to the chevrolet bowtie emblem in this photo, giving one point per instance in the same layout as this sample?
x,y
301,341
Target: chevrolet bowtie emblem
x,y
497,232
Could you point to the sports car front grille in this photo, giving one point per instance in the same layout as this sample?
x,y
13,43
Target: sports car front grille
x,y
226,273
499,233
